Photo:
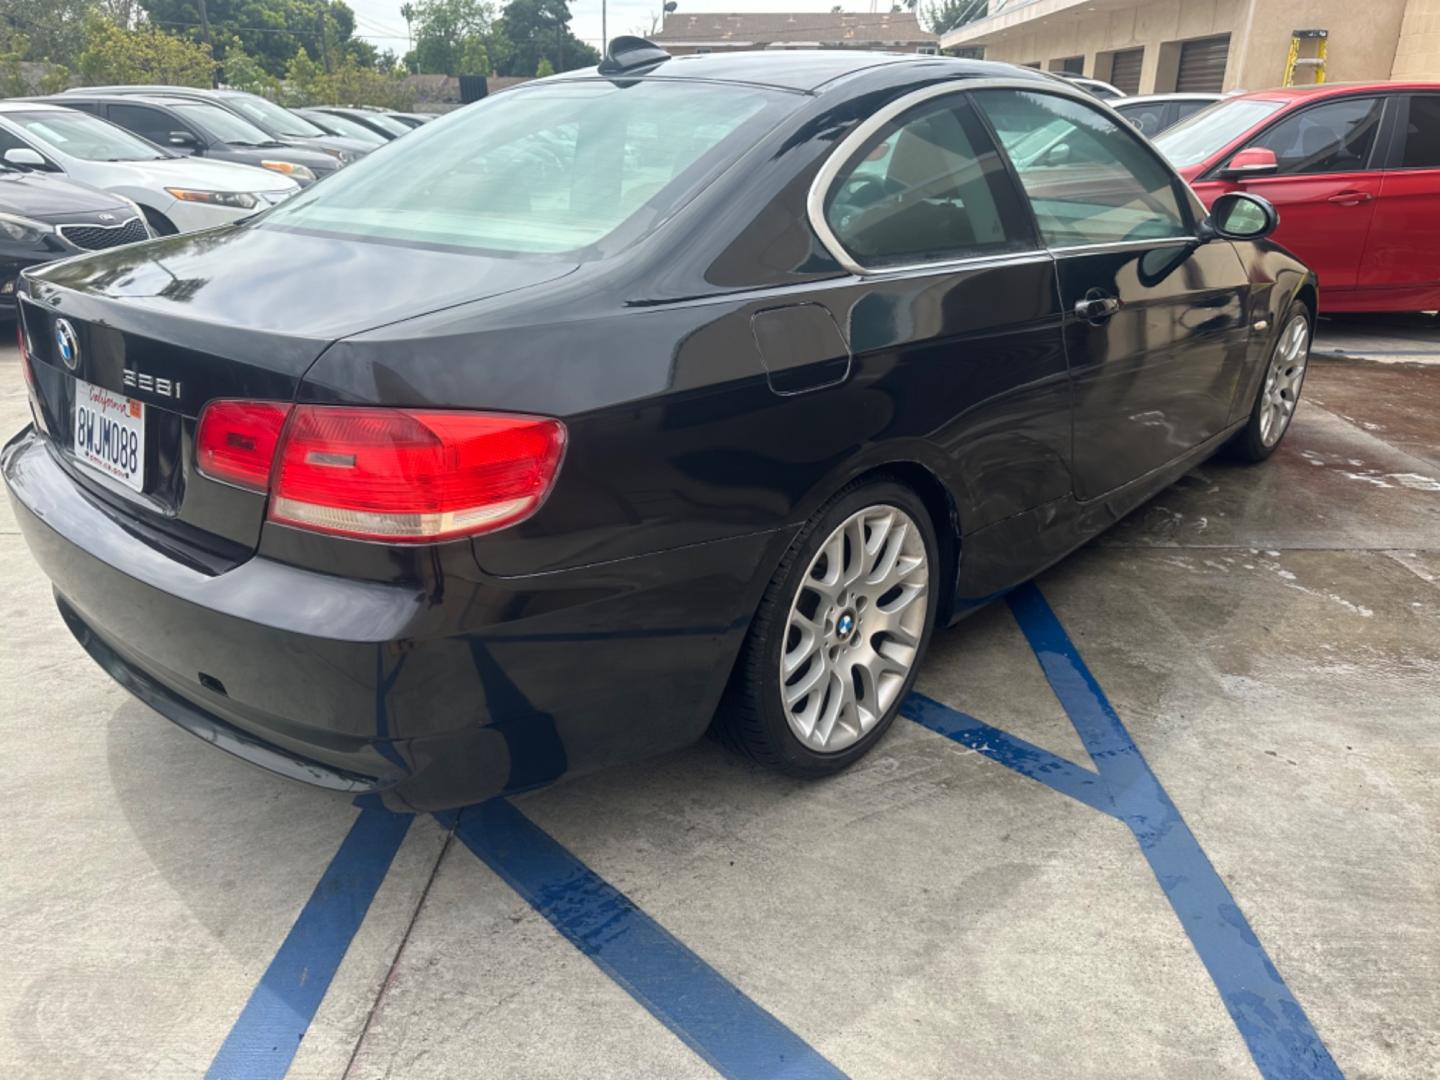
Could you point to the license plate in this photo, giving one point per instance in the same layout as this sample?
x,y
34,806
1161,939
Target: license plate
x,y
110,433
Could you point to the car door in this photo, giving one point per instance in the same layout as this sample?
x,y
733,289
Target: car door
x,y
1326,184
1155,328
1402,253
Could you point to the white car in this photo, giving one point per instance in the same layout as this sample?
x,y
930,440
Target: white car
x,y
176,193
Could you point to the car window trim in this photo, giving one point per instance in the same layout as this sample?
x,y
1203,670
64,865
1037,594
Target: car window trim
x,y
1184,197
846,149
1398,133
1213,173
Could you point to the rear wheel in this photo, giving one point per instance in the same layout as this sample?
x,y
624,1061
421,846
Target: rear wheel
x,y
839,635
1279,394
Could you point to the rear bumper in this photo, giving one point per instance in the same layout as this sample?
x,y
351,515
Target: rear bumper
x,y
359,686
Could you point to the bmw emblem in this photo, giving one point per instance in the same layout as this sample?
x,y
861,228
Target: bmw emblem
x,y
67,344
845,625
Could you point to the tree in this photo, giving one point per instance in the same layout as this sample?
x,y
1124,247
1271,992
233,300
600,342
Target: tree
x,y
146,54
53,30
270,31
449,34
243,72
534,29
544,69
943,16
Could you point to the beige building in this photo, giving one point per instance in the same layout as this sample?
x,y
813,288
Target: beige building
x,y
1156,46
891,31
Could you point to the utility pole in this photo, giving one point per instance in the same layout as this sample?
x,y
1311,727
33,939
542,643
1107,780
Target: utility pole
x,y
604,34
205,32
324,45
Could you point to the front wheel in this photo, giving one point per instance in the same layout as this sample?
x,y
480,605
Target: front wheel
x,y
1279,395
839,635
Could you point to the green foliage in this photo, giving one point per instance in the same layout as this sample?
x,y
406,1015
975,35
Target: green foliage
x,y
942,16
270,31
451,36
53,30
55,79
243,72
114,54
544,69
536,29
308,83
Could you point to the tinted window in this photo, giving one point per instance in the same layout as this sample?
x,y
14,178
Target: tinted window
x,y
144,121
1336,137
554,168
927,186
1089,179
1192,141
274,119
1422,134
1189,108
1148,119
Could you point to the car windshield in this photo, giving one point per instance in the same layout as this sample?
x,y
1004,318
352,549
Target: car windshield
x,y
343,125
273,118
222,124
84,136
389,123
1194,139
549,169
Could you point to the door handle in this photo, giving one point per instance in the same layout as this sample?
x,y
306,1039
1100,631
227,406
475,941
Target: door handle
x,y
1096,307
1351,198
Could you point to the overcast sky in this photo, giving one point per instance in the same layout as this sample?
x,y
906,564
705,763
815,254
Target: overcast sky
x,y
380,21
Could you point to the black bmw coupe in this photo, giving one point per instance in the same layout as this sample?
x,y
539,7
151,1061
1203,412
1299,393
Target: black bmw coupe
x,y
684,391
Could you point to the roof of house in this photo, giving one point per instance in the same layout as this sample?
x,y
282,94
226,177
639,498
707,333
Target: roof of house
x,y
792,28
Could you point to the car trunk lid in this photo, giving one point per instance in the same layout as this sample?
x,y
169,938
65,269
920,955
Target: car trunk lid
x,y
128,346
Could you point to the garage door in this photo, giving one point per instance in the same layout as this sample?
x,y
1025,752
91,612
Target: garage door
x,y
1125,70
1202,65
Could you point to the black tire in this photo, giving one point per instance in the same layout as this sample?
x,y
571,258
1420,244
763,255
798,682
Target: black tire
x,y
1248,444
159,224
751,719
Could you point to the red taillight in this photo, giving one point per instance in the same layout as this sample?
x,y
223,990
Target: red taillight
x,y
235,441
412,475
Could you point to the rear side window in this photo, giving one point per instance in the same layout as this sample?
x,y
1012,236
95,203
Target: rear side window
x,y
1422,134
1330,138
1089,179
926,187
558,168
1148,119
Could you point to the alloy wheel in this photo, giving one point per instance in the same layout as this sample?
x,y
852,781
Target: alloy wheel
x,y
855,628
1282,381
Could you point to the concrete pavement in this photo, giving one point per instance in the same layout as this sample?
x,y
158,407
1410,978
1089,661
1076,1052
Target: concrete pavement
x,y
1270,636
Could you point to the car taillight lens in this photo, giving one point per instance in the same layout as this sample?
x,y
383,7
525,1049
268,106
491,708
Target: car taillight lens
x,y
235,441
411,475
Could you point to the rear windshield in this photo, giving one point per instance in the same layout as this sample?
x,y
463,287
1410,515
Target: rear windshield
x,y
556,168
1193,140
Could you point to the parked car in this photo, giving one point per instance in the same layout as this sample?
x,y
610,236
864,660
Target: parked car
x,y
411,119
445,480
175,193
1354,171
343,125
386,127
275,120
1094,87
43,218
203,129
1153,113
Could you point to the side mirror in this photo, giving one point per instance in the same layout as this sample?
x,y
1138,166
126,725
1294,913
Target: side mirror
x,y
183,140
1254,161
25,157
1058,154
1239,215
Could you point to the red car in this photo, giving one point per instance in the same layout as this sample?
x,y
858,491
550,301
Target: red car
x,y
1354,171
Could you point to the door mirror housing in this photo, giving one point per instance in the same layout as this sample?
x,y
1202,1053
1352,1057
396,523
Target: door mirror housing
x,y
25,158
1253,161
1239,215
183,140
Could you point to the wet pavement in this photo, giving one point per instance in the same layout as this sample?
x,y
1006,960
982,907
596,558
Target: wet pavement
x,y
1269,636
1401,338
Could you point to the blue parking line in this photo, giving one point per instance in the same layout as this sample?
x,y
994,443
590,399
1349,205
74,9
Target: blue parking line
x,y
266,1035
704,1009
1280,1038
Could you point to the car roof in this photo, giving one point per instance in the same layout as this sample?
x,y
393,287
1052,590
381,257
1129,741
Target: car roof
x,y
805,70
120,99
1323,90
1141,99
27,105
